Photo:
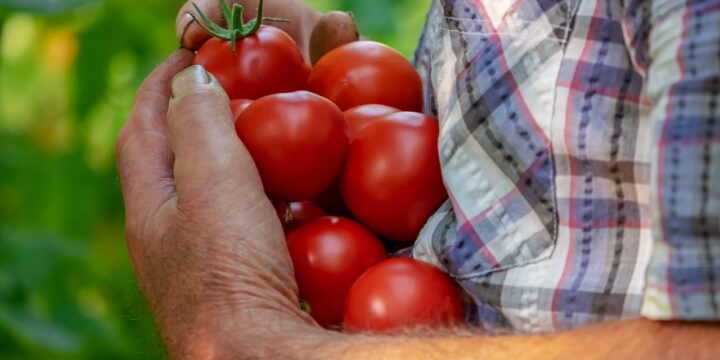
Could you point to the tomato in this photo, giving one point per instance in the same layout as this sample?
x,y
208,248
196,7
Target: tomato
x,y
391,179
264,63
295,214
298,141
328,255
367,72
402,292
358,117
238,106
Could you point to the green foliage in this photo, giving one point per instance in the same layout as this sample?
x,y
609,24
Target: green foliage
x,y
68,73
45,6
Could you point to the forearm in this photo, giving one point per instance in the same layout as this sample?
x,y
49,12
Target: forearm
x,y
258,320
263,334
634,339
640,339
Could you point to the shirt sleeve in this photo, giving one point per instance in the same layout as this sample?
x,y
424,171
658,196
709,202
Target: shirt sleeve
x,y
422,62
676,45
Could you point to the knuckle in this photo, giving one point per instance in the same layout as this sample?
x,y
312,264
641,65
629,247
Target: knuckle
x,y
121,140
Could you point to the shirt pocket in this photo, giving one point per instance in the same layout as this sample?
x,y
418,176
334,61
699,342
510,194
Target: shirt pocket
x,y
494,87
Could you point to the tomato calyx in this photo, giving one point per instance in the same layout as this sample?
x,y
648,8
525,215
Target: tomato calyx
x,y
237,29
288,214
305,306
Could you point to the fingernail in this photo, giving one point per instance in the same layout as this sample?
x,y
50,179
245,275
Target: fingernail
x,y
182,26
189,81
194,80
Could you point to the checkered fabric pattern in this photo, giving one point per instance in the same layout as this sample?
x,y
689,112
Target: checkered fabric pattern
x,y
580,144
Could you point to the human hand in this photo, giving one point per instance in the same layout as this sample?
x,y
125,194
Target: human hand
x,y
203,238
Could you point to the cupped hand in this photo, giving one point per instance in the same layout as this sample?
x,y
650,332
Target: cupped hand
x,y
204,240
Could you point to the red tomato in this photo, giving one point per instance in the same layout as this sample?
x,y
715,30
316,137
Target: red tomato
x,y
298,142
266,62
296,214
367,72
358,117
391,180
402,292
238,106
328,255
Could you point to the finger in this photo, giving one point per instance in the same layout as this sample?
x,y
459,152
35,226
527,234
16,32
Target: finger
x,y
144,160
201,133
333,29
153,95
192,36
189,34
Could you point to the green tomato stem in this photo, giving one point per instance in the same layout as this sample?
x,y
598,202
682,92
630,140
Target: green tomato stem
x,y
237,29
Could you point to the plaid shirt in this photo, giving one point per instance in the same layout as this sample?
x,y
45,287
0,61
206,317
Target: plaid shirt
x,y
580,145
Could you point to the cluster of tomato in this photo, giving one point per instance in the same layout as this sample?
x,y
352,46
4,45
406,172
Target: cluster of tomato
x,y
346,138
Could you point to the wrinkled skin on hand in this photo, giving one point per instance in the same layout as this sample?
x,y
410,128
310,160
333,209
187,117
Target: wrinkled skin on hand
x,y
204,240
205,243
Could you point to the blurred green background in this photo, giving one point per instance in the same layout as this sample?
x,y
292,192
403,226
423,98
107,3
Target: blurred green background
x,y
68,73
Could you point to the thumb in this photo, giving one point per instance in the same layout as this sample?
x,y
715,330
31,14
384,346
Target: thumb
x,y
201,135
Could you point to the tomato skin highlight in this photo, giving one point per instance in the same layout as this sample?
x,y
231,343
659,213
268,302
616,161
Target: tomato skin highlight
x,y
359,117
367,72
298,141
295,214
237,106
400,293
264,63
328,255
391,180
